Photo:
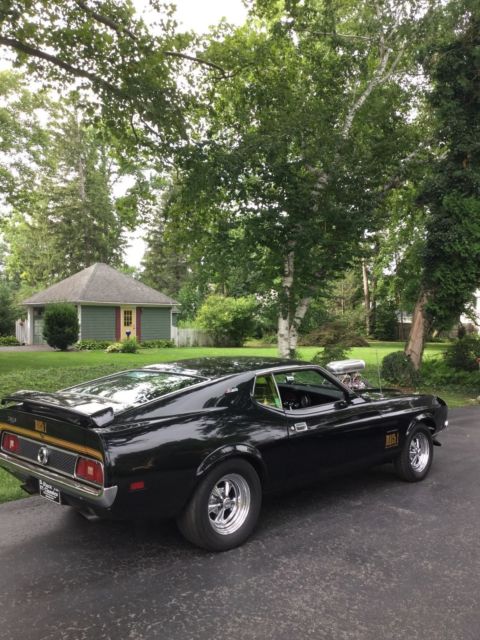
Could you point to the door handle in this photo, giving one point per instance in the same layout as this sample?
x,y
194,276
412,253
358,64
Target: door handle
x,y
299,426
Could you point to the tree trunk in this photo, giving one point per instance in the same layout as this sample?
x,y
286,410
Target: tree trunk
x,y
366,296
283,336
290,316
418,332
288,329
284,316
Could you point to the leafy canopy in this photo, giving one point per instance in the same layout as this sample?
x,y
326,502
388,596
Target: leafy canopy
x,y
451,192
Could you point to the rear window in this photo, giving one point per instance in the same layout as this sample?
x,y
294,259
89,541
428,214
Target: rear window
x,y
134,388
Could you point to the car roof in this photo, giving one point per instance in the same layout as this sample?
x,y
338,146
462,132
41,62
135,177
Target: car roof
x,y
219,367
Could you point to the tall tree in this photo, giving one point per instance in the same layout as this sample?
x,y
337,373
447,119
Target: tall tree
x,y
58,214
299,145
165,267
451,194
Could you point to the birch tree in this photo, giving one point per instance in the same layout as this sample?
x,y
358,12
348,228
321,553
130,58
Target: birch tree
x,y
295,150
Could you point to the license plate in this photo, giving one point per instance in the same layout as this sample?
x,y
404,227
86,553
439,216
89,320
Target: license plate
x,y
49,492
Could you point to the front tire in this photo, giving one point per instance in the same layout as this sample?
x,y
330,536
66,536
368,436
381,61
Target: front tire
x,y
224,509
415,459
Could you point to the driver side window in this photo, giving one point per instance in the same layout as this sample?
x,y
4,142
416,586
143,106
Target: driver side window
x,y
303,388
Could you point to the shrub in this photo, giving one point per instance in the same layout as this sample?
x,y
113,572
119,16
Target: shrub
x,y
437,374
329,353
127,346
9,341
8,312
397,368
157,344
229,320
115,347
92,345
331,333
462,354
60,328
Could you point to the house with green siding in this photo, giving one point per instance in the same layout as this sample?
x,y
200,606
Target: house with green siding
x,y
110,306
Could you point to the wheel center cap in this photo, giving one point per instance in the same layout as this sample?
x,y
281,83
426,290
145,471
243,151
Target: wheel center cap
x,y
227,503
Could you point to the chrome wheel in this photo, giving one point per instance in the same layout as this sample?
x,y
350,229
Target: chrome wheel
x,y
419,452
229,504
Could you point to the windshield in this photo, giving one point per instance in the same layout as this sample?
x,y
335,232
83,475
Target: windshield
x,y
133,388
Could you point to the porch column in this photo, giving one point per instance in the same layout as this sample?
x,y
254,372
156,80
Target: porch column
x,y
30,325
79,314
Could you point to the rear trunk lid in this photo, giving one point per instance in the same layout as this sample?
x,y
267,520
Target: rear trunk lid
x,y
62,421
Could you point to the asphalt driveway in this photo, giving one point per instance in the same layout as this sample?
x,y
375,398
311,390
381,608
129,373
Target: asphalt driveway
x,y
365,556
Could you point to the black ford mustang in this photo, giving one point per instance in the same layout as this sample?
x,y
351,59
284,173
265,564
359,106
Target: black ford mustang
x,y
201,440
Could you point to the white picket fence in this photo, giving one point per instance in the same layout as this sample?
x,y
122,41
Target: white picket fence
x,y
191,338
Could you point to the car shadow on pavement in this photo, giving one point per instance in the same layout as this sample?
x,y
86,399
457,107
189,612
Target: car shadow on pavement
x,y
293,507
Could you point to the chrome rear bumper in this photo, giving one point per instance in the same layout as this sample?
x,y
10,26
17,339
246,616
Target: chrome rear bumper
x,y
98,496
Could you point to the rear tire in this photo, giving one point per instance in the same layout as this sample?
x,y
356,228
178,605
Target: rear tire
x,y
415,459
224,509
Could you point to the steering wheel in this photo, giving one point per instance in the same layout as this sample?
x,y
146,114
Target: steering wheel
x,y
305,401
294,401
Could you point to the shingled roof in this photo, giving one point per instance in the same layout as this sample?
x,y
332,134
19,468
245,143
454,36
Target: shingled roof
x,y
100,284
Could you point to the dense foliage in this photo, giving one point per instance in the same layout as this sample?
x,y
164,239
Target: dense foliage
x,y
8,311
334,332
437,374
464,354
452,193
58,188
60,325
451,189
397,368
294,159
229,320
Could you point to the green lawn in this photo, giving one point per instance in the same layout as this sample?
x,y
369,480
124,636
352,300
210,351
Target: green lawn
x,y
50,370
9,487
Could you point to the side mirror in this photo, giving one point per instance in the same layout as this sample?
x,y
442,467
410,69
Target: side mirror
x,y
341,404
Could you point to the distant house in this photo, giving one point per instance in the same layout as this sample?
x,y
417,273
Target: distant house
x,y
110,305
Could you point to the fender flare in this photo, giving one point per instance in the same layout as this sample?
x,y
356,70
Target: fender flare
x,y
245,451
424,417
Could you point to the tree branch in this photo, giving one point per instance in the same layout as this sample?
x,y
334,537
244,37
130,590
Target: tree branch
x,y
380,75
108,22
119,29
43,55
375,80
335,34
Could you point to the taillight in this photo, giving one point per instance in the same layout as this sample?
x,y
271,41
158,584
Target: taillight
x,y
89,470
10,443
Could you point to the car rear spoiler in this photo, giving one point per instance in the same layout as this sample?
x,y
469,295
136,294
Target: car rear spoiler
x,y
50,401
